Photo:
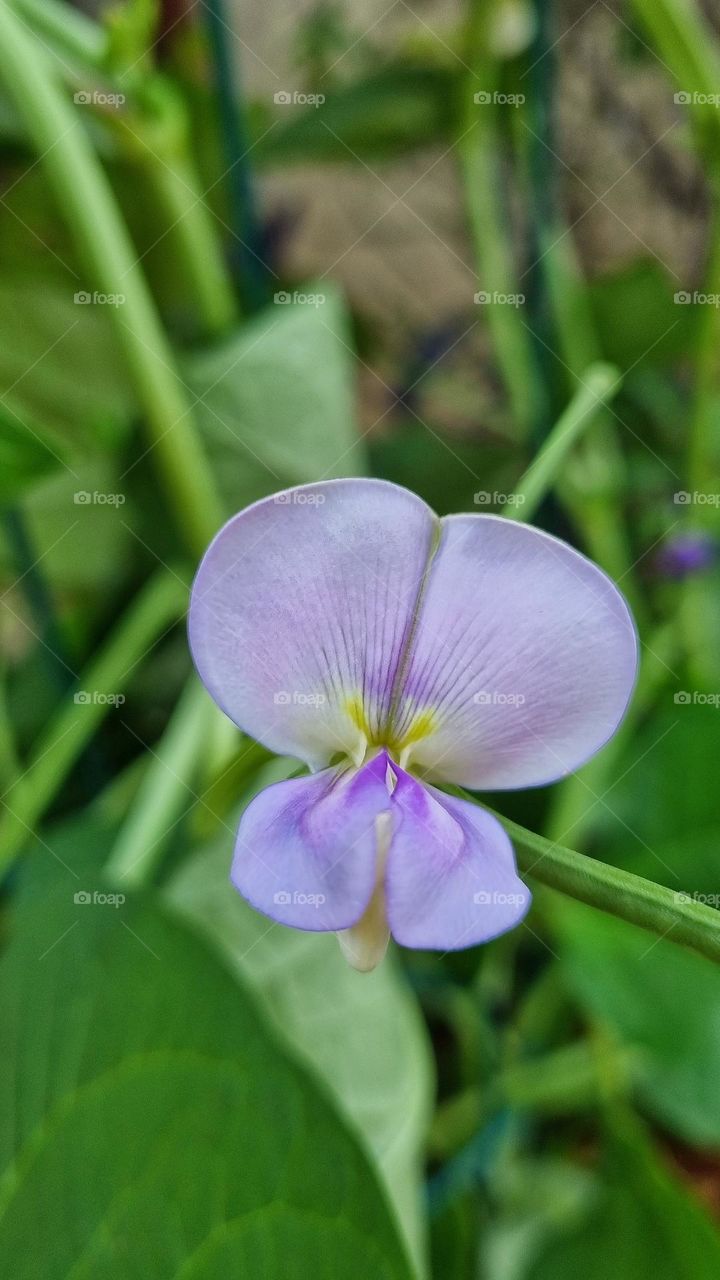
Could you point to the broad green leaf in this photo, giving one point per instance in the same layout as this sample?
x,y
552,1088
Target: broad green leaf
x,y
150,1124
59,361
79,523
361,1032
276,399
642,1223
660,999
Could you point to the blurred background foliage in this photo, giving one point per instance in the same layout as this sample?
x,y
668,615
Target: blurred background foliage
x,y
240,249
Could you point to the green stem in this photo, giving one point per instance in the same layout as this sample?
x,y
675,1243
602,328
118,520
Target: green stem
x,y
85,198
599,383
160,602
703,463
480,149
197,245
621,893
66,30
165,789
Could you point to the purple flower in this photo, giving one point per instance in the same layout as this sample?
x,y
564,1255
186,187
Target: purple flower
x,y
686,552
345,624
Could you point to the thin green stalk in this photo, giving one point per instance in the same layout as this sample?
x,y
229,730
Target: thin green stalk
x,y
703,454
86,202
160,602
254,279
66,29
165,791
688,45
480,151
9,761
599,383
621,893
175,182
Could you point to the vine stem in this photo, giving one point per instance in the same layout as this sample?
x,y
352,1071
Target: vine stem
x,y
599,383
621,893
166,787
160,602
86,201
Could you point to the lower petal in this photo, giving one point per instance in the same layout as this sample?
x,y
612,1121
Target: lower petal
x,y
306,851
451,878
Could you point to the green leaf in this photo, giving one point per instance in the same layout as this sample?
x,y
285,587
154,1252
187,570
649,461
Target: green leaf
x,y
150,1125
674,839
27,454
60,362
660,999
362,1033
276,399
385,114
643,1223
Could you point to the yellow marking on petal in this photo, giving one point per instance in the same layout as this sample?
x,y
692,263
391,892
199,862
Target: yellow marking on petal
x,y
420,722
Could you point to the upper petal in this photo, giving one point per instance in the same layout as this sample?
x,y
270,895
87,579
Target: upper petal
x,y
451,880
302,607
523,661
307,848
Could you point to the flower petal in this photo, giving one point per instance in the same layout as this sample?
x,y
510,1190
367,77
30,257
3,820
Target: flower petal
x,y
302,607
306,851
451,880
523,661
